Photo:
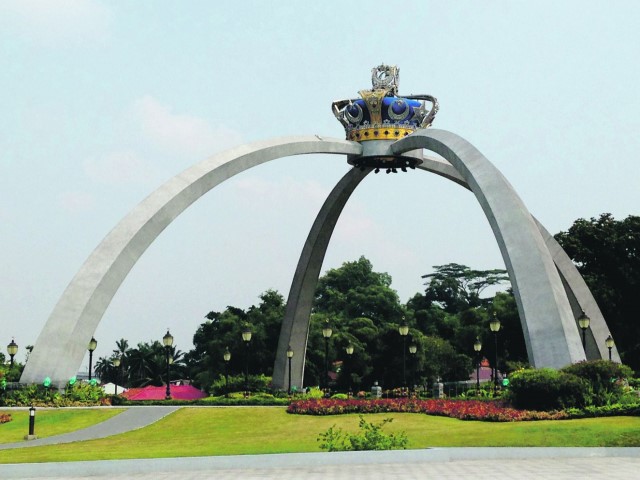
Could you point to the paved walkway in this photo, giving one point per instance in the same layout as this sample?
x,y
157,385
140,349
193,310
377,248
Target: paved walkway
x,y
440,463
131,419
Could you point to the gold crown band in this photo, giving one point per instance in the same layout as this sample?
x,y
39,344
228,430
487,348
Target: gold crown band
x,y
379,133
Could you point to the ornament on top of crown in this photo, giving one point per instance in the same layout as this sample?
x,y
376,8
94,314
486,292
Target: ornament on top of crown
x,y
380,114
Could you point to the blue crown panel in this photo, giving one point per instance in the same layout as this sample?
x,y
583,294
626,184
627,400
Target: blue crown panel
x,y
395,110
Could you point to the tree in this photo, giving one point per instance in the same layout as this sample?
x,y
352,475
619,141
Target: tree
x,y
362,308
607,254
224,329
456,287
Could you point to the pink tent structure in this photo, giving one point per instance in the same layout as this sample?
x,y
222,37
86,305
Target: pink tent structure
x,y
178,392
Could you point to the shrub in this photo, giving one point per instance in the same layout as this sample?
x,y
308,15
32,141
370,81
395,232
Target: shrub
x,y
78,394
314,392
547,389
370,437
257,383
340,396
606,379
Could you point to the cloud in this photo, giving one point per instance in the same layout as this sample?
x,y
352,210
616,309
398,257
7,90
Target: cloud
x,y
118,168
181,133
76,202
60,21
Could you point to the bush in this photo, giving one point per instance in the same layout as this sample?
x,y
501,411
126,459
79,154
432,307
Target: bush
x,y
370,437
606,379
257,383
547,389
78,394
340,396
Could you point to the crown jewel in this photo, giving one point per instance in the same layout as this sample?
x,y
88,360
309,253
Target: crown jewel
x,y
381,114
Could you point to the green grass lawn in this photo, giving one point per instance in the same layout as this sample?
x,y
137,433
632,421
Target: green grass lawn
x,y
52,422
253,430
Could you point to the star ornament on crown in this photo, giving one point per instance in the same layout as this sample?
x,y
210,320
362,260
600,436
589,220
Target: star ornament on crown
x,y
381,114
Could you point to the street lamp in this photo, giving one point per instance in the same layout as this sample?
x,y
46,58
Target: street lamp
x,y
226,356
92,346
167,341
609,343
349,350
326,333
403,329
413,348
584,321
289,356
246,338
494,325
12,349
116,363
477,346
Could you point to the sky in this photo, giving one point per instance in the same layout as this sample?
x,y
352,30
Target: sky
x,y
102,101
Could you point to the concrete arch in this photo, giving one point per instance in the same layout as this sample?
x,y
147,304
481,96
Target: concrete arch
x,y
578,293
295,326
61,346
549,327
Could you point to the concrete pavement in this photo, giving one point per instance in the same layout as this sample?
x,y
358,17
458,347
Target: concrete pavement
x,y
440,463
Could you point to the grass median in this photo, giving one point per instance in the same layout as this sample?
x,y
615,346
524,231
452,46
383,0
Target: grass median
x,y
256,430
55,421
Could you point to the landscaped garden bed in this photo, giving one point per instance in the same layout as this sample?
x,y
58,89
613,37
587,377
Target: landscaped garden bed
x,y
492,411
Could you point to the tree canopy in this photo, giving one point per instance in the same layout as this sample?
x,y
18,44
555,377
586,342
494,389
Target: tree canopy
x,y
606,251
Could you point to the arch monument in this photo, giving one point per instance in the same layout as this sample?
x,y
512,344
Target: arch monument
x,y
384,132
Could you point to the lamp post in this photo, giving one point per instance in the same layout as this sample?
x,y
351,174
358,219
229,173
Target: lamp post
x,y
403,329
12,349
584,321
413,348
167,341
494,325
226,356
609,343
326,333
289,356
32,424
477,346
116,363
92,346
246,338
349,350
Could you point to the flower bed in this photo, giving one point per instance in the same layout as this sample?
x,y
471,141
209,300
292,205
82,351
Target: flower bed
x,y
460,409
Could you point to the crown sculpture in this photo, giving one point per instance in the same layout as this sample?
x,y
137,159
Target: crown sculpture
x,y
382,115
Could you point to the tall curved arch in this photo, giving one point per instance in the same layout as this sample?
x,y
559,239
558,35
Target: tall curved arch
x,y
485,177
61,345
295,325
578,293
550,332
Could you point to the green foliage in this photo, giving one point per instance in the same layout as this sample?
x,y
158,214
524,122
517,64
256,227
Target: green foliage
x,y
340,396
547,389
370,437
605,378
224,330
78,394
456,287
607,254
256,383
314,392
